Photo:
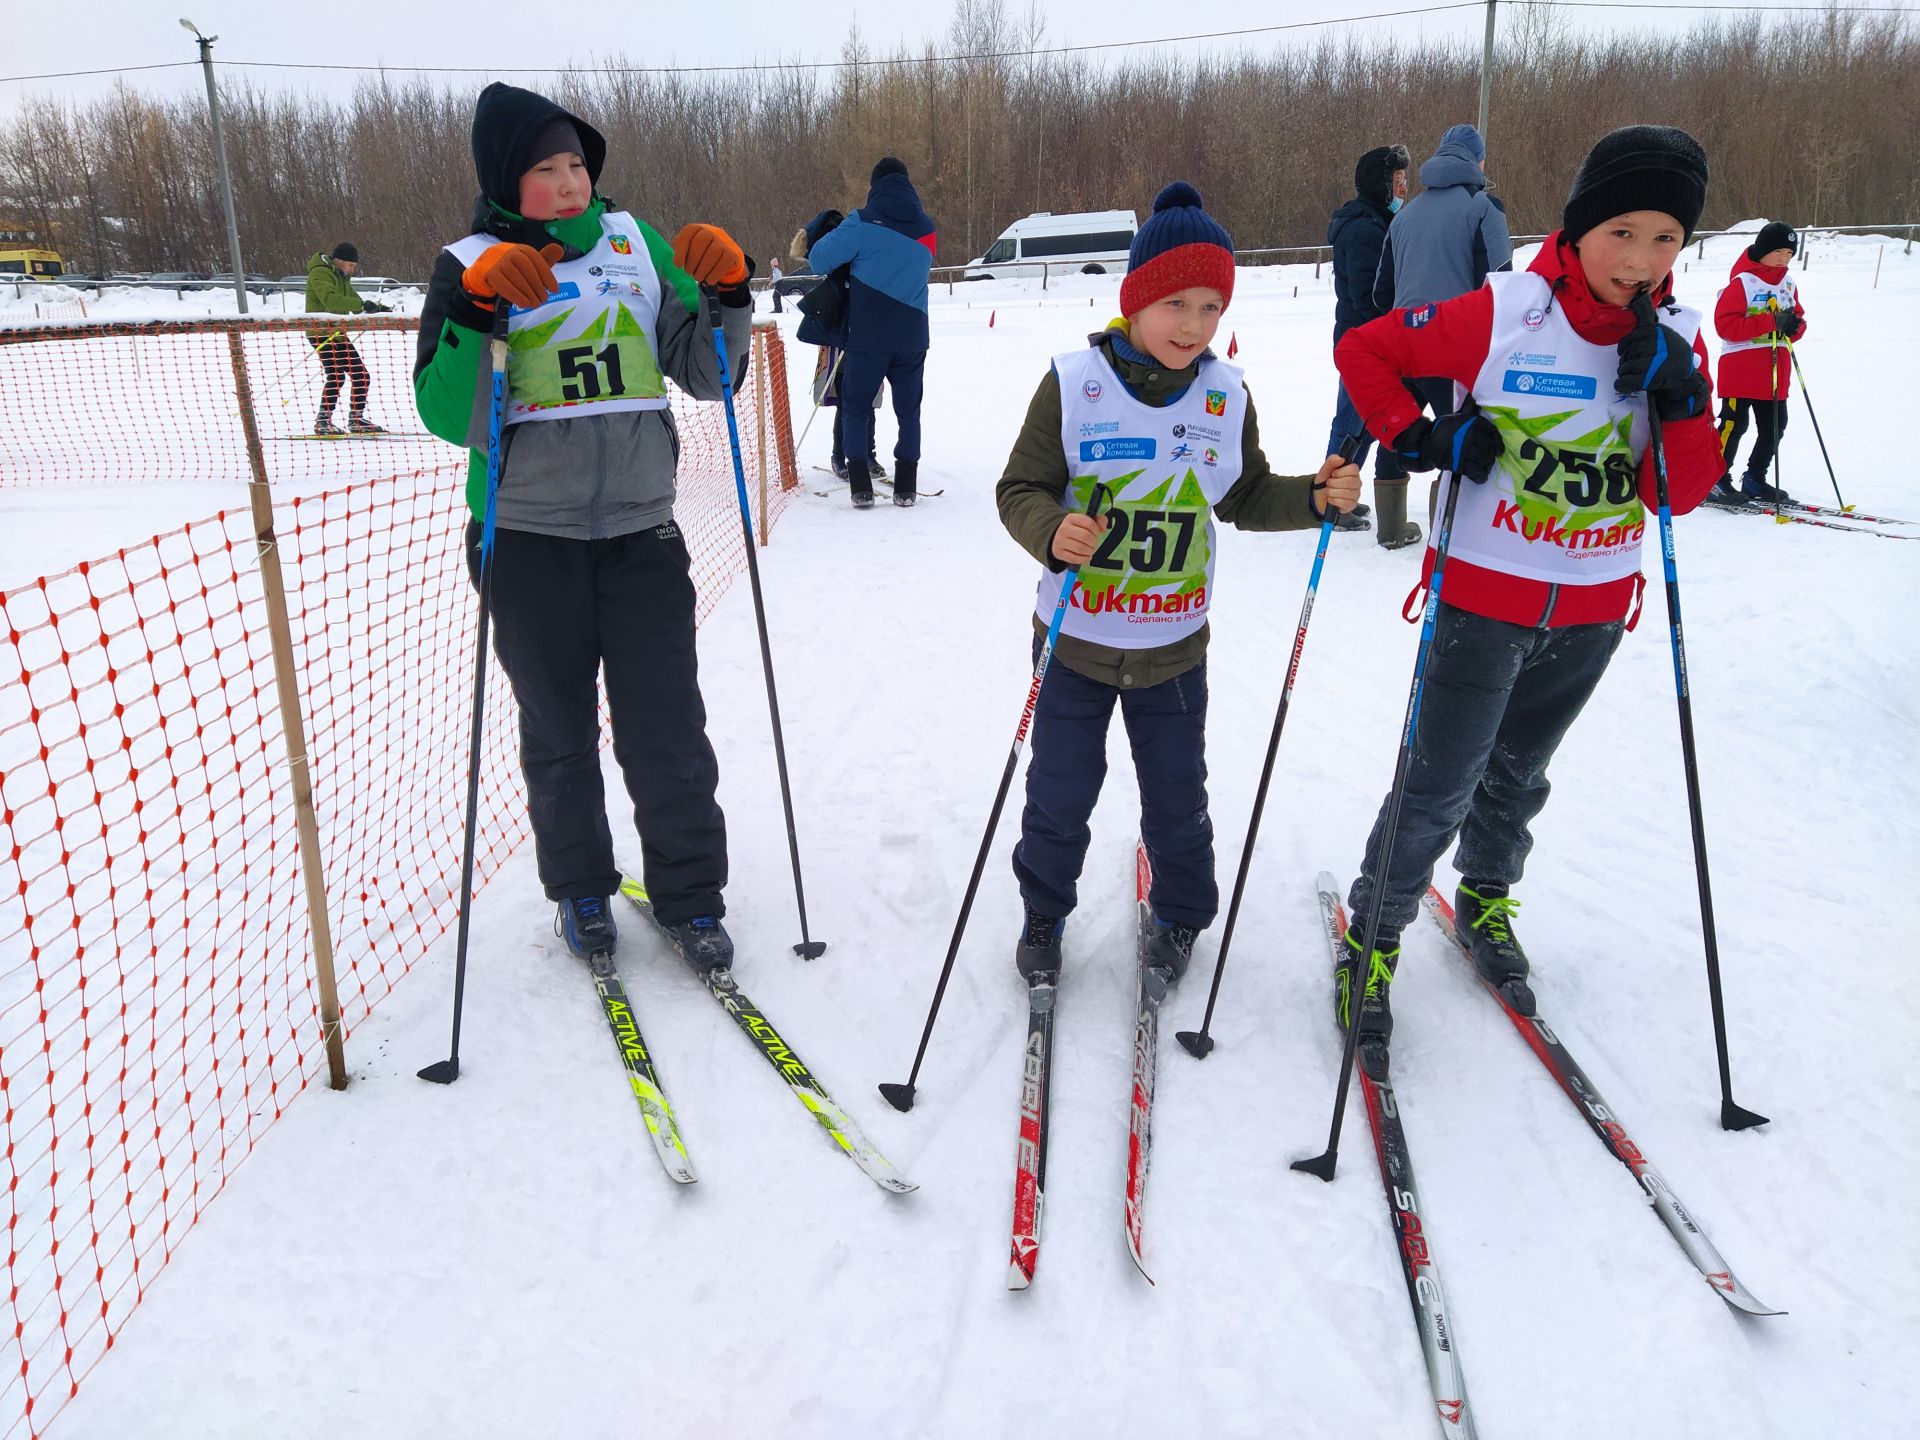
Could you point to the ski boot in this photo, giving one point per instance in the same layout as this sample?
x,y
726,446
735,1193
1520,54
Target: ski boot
x,y
358,424
839,467
703,943
1170,948
1756,488
875,468
1038,953
1348,520
1376,1010
324,426
860,483
586,926
906,482
1483,917
1723,493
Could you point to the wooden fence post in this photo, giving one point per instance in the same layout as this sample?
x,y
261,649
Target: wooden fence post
x,y
280,632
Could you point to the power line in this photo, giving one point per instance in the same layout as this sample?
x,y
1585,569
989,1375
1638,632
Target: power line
x,y
112,70
1726,6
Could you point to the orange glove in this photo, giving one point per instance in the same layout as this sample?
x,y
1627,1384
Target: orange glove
x,y
710,256
519,274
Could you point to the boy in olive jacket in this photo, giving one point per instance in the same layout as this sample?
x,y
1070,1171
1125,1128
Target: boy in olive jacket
x,y
590,573
330,292
1148,413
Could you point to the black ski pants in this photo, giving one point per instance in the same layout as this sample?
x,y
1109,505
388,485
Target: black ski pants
x,y
567,613
344,367
1770,423
1497,701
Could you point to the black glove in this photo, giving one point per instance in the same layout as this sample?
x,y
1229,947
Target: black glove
x,y
1656,359
1788,323
1466,442
375,307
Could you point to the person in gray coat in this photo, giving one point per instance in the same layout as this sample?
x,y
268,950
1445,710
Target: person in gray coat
x,y
1444,242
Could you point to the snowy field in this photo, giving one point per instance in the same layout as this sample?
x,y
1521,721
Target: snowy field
x,y
504,1257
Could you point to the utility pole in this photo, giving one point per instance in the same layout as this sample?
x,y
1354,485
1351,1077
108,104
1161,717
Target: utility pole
x,y
1486,70
226,181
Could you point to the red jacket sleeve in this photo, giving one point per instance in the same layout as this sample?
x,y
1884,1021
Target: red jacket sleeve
x,y
1730,318
1694,461
1801,311
1449,339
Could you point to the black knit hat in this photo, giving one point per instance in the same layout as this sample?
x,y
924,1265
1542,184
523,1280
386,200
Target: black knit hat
x,y
348,251
1373,175
1774,235
887,166
1638,167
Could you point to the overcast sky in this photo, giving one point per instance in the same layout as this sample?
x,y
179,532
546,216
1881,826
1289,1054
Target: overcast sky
x,y
40,37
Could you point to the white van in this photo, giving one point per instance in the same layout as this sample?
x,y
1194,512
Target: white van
x,y
1093,243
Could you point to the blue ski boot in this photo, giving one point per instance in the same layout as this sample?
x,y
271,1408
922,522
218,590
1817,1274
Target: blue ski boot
x,y
586,926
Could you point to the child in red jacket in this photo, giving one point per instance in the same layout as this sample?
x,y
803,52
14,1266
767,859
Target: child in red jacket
x,y
1553,376
1759,317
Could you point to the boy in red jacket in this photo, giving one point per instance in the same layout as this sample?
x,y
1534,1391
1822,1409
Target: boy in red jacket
x,y
1759,317
1552,377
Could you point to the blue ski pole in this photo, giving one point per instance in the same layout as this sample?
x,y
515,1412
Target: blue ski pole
x,y
1199,1044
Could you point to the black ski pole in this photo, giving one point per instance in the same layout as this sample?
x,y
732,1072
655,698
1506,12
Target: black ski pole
x,y
1199,1044
809,948
901,1096
1732,1116
1807,395
1323,1164
445,1072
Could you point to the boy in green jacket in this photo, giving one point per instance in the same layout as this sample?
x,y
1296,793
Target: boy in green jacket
x,y
590,573
1147,412
330,292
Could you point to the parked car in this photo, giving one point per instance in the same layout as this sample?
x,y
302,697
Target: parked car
x,y
224,281
1092,242
796,284
376,284
183,279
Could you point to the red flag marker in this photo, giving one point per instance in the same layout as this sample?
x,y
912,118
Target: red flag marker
x,y
1233,344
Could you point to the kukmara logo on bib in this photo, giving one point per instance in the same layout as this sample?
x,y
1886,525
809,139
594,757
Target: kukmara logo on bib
x,y
1179,432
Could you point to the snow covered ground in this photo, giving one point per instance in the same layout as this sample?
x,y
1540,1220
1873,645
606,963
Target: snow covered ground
x,y
503,1257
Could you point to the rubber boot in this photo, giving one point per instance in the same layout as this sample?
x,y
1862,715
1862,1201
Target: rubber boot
x,y
1394,530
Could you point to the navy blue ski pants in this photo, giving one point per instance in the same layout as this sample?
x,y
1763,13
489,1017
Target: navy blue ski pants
x,y
1166,726
860,376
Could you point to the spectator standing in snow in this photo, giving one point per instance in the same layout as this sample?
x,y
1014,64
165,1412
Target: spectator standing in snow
x,y
889,244
823,322
330,292
774,284
1357,234
1443,243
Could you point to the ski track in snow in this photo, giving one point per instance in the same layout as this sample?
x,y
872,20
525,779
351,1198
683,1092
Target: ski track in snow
x,y
503,1257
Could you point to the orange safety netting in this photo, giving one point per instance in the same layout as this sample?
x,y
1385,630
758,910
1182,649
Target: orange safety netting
x,y
158,1007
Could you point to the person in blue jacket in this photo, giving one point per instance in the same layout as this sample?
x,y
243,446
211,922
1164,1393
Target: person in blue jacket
x,y
1357,233
1445,242
889,245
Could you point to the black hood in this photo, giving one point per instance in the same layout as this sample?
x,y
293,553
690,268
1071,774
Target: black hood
x,y
506,122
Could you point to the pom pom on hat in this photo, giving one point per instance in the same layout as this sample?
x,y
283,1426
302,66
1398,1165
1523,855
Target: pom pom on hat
x,y
1179,247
